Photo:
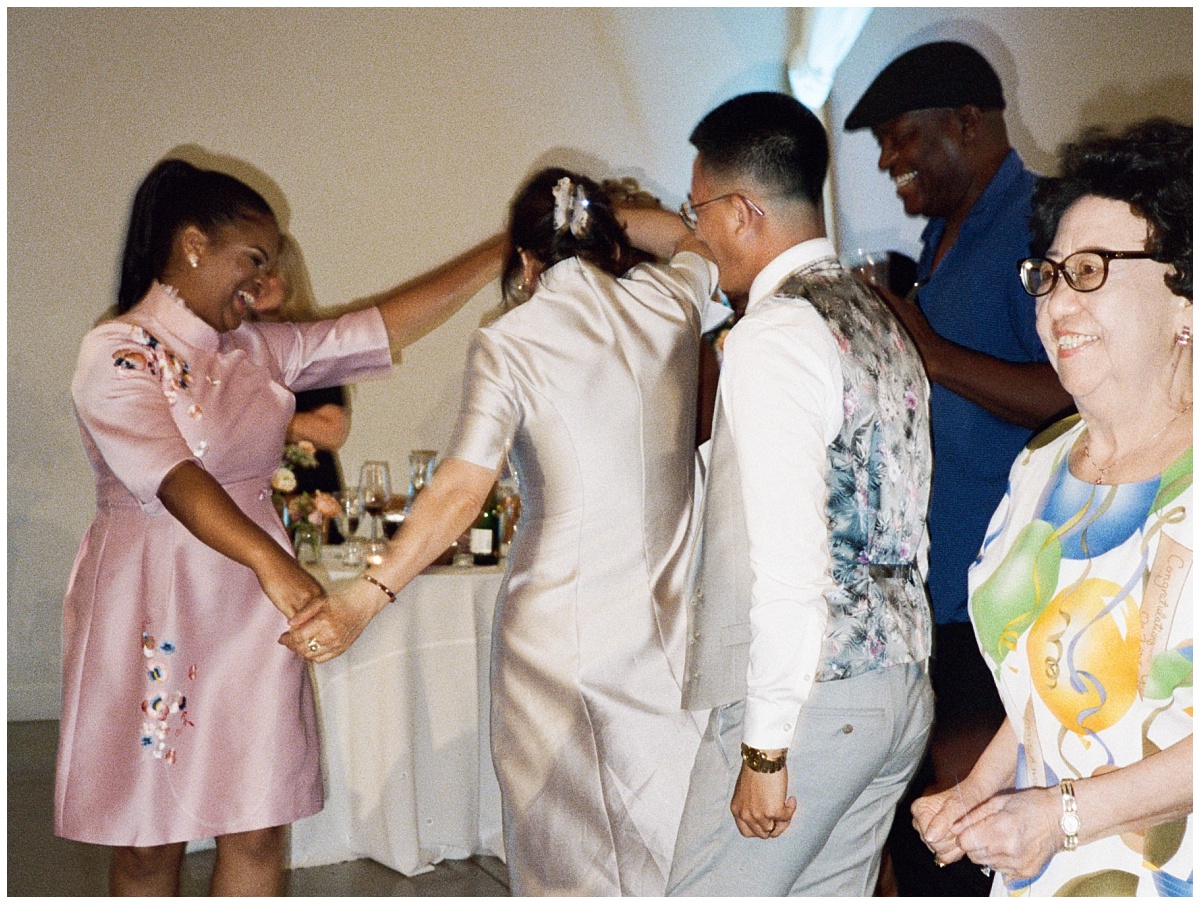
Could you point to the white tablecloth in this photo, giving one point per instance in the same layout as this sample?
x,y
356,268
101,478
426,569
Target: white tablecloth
x,y
404,732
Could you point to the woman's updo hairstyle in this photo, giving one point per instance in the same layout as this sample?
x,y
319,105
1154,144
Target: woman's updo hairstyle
x,y
1149,167
560,214
173,195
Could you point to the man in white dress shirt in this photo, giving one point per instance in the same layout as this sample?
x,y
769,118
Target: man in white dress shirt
x,y
809,625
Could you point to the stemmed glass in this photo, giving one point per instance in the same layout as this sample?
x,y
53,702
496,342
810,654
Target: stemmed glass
x,y
349,512
869,266
508,498
375,481
420,471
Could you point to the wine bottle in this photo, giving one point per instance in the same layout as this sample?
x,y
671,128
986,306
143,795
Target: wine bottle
x,y
485,533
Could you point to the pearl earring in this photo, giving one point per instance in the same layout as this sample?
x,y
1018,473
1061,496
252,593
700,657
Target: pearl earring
x,y
194,260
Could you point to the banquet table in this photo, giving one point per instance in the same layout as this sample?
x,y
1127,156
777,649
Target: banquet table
x,y
403,717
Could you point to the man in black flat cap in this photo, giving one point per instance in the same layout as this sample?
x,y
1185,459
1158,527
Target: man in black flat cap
x,y
937,113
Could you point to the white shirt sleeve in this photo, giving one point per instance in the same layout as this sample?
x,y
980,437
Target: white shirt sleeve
x,y
781,390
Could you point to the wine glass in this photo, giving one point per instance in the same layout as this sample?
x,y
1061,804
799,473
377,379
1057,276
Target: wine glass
x,y
349,512
375,481
508,498
393,515
420,472
869,266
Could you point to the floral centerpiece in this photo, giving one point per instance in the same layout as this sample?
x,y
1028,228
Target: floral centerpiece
x,y
301,512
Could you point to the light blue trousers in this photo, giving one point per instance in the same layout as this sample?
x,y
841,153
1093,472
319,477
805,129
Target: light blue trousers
x,y
857,745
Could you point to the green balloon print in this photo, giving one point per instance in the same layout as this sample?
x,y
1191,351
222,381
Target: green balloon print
x,y
1168,670
1175,479
1015,594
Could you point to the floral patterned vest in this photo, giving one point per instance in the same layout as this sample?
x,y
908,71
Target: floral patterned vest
x,y
879,478
878,499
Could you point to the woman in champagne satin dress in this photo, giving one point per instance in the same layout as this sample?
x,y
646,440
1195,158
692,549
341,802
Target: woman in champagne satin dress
x,y
593,382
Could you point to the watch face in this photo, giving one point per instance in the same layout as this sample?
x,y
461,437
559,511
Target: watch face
x,y
1070,823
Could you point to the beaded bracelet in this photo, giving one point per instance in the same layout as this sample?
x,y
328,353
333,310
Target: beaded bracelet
x,y
391,594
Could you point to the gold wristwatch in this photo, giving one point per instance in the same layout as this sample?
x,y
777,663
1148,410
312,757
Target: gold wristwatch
x,y
757,761
1070,815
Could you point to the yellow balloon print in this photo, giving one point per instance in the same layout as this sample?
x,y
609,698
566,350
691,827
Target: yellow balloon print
x,y
1084,665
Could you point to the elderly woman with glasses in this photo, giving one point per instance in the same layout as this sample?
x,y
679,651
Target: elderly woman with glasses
x,y
1081,598
591,379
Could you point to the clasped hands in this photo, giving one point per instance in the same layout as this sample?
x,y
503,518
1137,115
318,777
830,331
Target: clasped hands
x,y
329,624
1015,832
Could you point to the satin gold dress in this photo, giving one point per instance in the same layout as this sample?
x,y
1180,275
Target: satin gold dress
x,y
593,382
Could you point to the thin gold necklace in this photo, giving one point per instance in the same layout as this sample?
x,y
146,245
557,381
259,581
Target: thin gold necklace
x,y
1103,472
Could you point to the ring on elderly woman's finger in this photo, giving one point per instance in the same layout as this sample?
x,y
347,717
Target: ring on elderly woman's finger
x,y
314,645
771,827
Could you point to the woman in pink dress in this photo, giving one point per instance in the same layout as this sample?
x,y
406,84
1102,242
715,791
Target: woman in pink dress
x,y
183,718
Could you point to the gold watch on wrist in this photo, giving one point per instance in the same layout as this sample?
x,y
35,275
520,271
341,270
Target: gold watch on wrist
x,y
1070,815
757,761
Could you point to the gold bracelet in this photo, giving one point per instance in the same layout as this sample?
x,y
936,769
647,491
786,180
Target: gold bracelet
x,y
391,594
757,761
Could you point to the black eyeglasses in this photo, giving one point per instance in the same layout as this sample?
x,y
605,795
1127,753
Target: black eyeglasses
x,y
1084,271
687,210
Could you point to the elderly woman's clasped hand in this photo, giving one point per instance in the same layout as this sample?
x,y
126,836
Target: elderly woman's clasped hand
x,y
326,627
1015,832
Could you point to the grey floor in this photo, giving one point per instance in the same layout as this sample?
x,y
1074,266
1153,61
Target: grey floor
x,y
40,864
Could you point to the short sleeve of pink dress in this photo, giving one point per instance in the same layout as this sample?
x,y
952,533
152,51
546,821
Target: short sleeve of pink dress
x,y
182,717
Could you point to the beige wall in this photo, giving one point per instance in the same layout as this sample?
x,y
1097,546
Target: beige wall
x,y
394,139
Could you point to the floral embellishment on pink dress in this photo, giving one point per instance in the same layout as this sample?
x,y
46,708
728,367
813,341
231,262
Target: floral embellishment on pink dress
x,y
150,355
164,710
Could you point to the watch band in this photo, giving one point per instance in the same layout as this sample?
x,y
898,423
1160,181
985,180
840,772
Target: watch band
x,y
757,761
1070,815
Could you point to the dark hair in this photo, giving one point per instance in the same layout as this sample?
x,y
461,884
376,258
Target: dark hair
x,y
531,228
173,195
1149,167
771,137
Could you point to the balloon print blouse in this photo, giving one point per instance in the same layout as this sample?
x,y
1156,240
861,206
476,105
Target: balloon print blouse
x,y
1081,600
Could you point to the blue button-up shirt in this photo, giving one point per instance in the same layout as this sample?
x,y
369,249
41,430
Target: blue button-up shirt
x,y
975,299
